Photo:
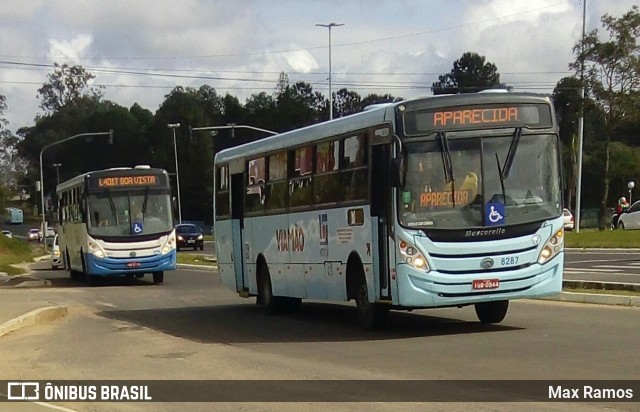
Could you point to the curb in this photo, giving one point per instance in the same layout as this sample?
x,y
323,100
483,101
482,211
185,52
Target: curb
x,y
598,299
35,317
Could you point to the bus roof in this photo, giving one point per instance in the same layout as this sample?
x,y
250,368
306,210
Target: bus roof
x,y
374,115
114,171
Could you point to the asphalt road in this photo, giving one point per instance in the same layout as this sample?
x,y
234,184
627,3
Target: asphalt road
x,y
192,328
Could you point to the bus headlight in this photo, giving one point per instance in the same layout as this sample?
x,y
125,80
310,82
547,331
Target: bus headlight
x,y
552,247
412,256
170,244
95,249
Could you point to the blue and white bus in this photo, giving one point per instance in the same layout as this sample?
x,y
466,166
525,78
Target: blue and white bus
x,y
117,222
434,202
13,216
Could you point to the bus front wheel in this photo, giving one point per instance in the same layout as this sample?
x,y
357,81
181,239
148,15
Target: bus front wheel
x,y
492,312
371,315
158,277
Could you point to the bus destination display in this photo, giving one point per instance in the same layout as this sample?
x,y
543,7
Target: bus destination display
x,y
474,117
113,182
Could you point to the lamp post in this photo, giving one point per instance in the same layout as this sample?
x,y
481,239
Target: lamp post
x,y
580,122
57,166
175,150
631,185
329,26
44,229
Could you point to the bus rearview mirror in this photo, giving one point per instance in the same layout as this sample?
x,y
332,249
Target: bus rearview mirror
x,y
396,171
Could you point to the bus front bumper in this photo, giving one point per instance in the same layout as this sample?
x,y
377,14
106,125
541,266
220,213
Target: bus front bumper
x,y
112,266
422,290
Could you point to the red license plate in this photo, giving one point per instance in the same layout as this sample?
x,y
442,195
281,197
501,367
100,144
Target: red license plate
x,y
133,264
486,283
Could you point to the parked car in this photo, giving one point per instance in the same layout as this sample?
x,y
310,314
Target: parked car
x,y
33,234
7,233
631,218
56,259
569,223
190,236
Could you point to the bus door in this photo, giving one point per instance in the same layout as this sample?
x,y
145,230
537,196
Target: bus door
x,y
381,213
237,227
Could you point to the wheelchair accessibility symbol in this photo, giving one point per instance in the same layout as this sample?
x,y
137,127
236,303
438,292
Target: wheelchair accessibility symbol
x,y
494,213
136,228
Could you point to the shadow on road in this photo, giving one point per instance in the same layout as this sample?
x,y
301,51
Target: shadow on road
x,y
316,322
61,279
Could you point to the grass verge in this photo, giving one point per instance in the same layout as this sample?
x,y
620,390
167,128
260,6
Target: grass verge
x,y
593,238
195,259
16,251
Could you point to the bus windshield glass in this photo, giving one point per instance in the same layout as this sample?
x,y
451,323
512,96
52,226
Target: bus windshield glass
x,y
465,183
123,213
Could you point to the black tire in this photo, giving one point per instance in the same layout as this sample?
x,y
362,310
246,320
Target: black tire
x,y
621,225
270,304
371,315
492,312
92,280
74,274
201,247
158,277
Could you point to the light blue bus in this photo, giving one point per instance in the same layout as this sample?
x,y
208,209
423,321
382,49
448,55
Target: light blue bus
x,y
117,222
434,202
13,216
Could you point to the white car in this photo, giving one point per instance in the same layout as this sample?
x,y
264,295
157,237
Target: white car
x,y
56,259
50,234
7,233
569,223
631,218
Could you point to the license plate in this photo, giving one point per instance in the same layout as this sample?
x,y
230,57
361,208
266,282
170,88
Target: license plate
x,y
133,264
486,283
191,241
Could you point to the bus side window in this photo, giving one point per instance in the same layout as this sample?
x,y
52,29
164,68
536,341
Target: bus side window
x,y
354,169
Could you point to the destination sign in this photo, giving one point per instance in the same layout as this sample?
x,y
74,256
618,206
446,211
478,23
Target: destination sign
x,y
122,181
444,199
477,117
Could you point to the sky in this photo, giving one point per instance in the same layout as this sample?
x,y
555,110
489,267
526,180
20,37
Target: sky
x,y
142,49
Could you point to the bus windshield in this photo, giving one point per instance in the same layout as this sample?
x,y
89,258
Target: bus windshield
x,y
481,181
126,213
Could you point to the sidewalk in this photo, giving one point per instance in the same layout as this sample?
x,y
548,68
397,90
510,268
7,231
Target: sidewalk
x,y
19,309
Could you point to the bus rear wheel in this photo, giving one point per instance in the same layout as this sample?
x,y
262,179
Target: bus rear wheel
x,y
158,277
492,312
371,315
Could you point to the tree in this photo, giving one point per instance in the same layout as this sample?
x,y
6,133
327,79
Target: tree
x,y
470,74
612,76
65,85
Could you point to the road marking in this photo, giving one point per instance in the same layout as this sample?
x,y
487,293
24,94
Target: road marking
x,y
612,266
111,305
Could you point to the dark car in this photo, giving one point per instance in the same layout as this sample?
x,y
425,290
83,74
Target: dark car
x,y
189,236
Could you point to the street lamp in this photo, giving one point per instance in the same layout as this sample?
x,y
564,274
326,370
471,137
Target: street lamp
x,y
44,229
631,185
57,166
175,150
329,26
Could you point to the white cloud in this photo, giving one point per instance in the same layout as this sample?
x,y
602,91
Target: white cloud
x,y
71,51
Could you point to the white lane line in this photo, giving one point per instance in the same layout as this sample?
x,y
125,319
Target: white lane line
x,y
613,266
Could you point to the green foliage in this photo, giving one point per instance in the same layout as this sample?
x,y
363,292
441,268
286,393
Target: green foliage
x,y
65,85
470,74
612,74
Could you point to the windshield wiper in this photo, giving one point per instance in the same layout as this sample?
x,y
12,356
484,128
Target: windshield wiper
x,y
500,173
446,157
447,164
113,206
511,154
144,202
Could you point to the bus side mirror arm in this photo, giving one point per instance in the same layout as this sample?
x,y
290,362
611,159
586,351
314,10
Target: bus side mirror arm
x,y
397,167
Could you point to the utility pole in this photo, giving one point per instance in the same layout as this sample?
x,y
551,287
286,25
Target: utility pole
x,y
580,120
